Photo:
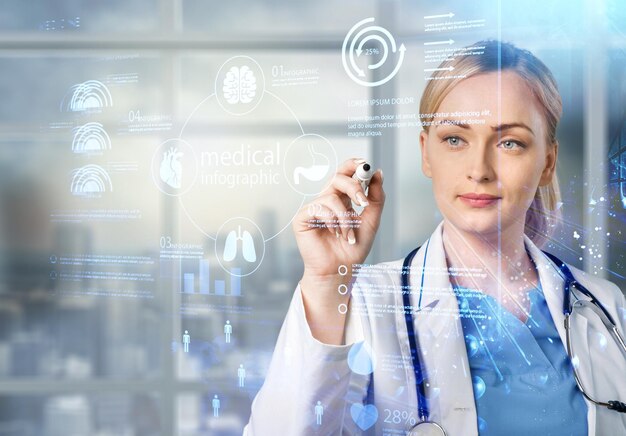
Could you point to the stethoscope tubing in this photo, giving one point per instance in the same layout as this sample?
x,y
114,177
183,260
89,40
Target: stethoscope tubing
x,y
422,402
570,283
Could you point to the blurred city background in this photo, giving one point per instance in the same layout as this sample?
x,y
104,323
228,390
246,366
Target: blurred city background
x,y
116,315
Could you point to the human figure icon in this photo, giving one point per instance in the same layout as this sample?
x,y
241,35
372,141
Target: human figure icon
x,y
241,372
228,329
319,411
186,341
216,406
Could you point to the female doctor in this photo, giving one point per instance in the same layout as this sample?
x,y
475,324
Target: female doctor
x,y
467,335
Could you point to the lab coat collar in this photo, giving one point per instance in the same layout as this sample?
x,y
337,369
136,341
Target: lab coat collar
x,y
438,292
552,285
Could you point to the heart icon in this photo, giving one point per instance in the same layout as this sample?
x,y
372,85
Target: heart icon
x,y
364,416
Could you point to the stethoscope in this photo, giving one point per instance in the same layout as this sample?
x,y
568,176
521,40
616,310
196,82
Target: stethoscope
x,y
427,427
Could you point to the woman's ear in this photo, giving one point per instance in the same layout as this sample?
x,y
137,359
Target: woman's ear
x,y
551,158
425,162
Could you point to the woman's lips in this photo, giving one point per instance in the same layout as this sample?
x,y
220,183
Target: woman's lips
x,y
479,200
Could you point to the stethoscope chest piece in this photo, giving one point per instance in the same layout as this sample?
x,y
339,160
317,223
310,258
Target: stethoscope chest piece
x,y
427,428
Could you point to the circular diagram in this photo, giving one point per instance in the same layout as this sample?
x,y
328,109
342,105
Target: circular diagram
x,y
368,47
224,173
239,171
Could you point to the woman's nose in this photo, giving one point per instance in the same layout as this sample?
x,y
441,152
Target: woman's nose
x,y
480,165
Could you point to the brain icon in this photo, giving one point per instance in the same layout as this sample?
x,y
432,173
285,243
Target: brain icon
x,y
239,85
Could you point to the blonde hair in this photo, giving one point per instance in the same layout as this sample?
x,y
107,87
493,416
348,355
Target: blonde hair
x,y
488,56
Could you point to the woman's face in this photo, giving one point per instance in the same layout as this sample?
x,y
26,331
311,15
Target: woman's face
x,y
486,169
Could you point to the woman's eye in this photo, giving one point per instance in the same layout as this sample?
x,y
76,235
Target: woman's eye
x,y
510,145
454,141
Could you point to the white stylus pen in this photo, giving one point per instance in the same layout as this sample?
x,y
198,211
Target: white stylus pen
x,y
364,173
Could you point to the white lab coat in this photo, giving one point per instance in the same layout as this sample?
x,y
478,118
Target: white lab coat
x,y
304,371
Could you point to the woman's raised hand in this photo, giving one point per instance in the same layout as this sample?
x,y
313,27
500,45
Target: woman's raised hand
x,y
329,233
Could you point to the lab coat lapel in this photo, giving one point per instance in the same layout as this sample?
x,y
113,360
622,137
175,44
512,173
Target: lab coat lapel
x,y
441,341
552,284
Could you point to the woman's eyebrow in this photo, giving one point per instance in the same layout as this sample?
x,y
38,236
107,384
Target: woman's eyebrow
x,y
507,126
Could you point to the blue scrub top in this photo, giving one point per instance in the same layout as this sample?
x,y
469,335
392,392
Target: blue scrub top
x,y
522,377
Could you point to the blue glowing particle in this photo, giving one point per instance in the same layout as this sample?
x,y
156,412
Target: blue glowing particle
x,y
472,345
479,386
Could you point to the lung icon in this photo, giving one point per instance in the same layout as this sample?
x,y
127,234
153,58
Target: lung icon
x,y
231,247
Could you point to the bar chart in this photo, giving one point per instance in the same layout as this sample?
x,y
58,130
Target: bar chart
x,y
196,279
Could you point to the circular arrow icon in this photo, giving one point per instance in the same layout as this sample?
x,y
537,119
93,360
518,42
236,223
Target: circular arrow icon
x,y
365,40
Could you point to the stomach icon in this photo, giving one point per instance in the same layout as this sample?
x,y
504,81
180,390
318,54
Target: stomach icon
x,y
315,172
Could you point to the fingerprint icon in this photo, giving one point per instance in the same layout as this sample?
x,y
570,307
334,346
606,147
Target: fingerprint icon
x,y
239,85
90,181
369,47
88,95
91,138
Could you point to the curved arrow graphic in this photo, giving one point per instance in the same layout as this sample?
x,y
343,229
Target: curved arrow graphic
x,y
345,44
359,49
382,41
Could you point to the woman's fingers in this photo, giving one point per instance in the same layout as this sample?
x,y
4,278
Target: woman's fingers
x,y
341,213
343,183
333,208
351,190
329,211
376,197
319,216
375,192
348,167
